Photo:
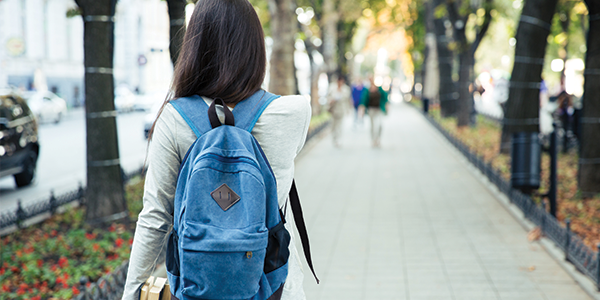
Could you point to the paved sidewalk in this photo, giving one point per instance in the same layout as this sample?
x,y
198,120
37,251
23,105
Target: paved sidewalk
x,y
410,221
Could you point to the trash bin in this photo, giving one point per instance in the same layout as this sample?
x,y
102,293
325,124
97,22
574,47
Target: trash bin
x,y
425,105
526,161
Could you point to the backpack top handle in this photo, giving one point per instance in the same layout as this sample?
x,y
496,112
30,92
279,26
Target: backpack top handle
x,y
214,118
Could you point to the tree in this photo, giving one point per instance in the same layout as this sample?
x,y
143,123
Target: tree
x,y
589,160
459,13
448,94
105,192
177,27
522,107
283,31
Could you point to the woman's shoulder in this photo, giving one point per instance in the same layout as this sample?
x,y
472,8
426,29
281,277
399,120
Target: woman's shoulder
x,y
290,105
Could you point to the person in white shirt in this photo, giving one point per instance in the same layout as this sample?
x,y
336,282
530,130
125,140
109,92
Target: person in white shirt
x,y
339,98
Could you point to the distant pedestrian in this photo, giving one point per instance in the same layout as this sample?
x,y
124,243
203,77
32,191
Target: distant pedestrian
x,y
357,89
338,97
374,102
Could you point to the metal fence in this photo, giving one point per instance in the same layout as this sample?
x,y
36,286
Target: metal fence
x,y
581,256
49,205
108,287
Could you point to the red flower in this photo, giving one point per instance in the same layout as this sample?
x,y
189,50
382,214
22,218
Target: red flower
x,y
19,253
2,271
24,267
130,241
66,276
59,280
46,236
53,232
96,247
28,250
75,291
119,242
112,228
36,298
14,269
90,236
5,288
40,263
20,292
65,285
53,268
23,286
63,262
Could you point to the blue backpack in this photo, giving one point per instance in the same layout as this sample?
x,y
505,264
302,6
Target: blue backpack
x,y
228,239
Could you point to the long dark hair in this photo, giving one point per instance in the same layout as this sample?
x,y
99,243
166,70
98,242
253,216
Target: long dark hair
x,y
223,53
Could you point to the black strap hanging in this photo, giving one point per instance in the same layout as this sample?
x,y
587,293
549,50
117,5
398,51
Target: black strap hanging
x,y
299,219
214,118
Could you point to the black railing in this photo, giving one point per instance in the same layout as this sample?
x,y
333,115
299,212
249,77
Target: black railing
x,y
580,255
49,205
109,286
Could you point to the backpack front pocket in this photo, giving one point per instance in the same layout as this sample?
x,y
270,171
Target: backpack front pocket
x,y
219,263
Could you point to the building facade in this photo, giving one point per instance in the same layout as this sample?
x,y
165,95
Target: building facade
x,y
41,47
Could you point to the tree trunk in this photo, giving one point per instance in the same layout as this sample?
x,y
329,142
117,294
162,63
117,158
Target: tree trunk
x,y
315,72
465,75
448,94
430,66
523,105
283,31
105,192
177,28
589,160
330,36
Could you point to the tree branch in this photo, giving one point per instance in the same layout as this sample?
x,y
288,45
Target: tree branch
x,y
487,19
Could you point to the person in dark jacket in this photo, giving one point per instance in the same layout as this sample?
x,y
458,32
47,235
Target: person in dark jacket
x,y
374,102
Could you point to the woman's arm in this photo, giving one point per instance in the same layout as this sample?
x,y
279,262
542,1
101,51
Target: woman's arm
x,y
154,222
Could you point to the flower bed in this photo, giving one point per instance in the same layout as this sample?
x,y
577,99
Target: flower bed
x,y
484,139
46,261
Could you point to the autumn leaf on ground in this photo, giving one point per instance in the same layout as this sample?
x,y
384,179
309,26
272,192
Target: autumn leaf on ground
x,y
535,234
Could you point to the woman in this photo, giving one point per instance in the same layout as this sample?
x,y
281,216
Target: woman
x,y
374,100
221,57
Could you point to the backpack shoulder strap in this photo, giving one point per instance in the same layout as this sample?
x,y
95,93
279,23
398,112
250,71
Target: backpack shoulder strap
x,y
247,112
299,220
194,111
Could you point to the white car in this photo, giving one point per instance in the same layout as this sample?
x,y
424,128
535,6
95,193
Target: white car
x,y
124,99
46,106
147,101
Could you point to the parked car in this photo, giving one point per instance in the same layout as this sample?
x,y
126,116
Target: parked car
x,y
124,99
46,106
19,147
147,101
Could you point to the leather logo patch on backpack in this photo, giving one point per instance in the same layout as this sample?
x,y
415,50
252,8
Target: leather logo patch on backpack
x,y
225,197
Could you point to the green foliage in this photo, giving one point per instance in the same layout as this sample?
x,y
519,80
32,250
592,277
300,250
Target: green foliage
x,y
73,12
262,10
416,30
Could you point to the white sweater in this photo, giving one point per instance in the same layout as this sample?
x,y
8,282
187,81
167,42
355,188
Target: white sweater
x,y
281,131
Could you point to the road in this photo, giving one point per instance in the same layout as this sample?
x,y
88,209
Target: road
x,y
62,161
